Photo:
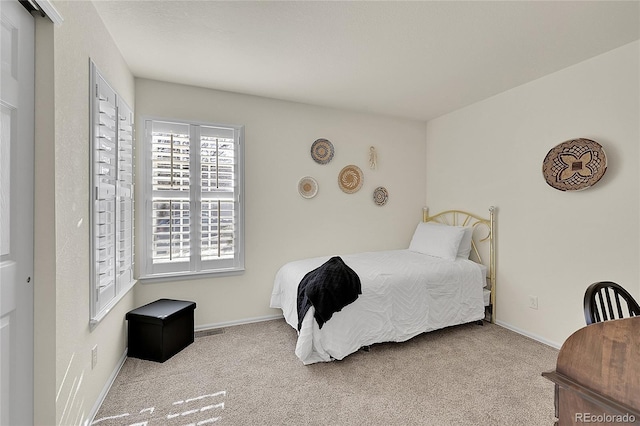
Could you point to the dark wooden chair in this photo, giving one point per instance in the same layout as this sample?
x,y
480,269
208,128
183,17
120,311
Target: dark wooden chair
x,y
606,300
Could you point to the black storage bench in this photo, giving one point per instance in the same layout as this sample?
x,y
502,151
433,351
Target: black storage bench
x,y
161,329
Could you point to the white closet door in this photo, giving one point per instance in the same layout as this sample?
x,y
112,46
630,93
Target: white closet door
x,y
16,214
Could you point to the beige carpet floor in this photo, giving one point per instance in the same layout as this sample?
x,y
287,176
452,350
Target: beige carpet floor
x,y
249,375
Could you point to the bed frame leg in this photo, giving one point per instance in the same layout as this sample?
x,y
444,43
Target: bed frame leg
x,y
480,322
366,348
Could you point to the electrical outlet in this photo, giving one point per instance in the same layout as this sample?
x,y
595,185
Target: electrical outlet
x,y
94,356
533,302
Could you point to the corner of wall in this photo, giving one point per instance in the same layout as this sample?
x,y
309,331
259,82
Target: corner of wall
x,y
44,229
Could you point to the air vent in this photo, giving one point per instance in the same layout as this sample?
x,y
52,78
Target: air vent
x,y
210,332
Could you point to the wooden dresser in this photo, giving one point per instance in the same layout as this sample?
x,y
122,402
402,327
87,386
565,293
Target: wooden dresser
x,y
597,375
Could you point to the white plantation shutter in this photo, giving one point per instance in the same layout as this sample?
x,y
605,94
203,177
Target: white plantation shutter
x,y
104,189
111,138
217,193
125,196
193,210
171,189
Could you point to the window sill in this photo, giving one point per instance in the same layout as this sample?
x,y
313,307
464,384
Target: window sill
x,y
182,276
95,320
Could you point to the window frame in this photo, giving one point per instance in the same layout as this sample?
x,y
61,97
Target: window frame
x,y
102,300
193,268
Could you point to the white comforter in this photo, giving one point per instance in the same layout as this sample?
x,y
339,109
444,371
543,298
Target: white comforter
x,y
404,293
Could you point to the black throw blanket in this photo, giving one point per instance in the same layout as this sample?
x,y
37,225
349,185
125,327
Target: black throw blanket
x,y
329,288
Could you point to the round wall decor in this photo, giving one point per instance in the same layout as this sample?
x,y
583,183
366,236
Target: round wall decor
x,y
322,151
574,165
350,179
380,196
308,187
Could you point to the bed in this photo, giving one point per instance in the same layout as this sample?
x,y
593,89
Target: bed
x,y
445,277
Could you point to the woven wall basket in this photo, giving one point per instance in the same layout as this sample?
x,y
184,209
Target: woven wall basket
x,y
574,165
307,187
380,196
322,151
350,179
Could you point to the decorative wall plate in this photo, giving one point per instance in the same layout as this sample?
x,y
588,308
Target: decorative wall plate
x,y
380,196
322,151
350,179
308,187
574,165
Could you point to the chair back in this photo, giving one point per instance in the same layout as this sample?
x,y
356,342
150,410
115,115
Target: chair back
x,y
606,300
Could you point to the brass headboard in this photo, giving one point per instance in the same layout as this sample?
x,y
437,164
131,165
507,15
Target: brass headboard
x,y
483,236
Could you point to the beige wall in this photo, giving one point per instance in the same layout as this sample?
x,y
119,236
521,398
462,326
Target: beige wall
x,y
281,225
68,394
551,244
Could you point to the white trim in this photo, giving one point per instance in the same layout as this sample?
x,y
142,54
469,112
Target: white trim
x,y
238,322
95,320
51,12
105,390
171,276
529,335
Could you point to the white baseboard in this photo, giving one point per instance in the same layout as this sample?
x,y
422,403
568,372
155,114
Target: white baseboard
x,y
106,389
237,322
530,335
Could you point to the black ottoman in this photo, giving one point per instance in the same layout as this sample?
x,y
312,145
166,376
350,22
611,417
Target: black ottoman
x,y
161,329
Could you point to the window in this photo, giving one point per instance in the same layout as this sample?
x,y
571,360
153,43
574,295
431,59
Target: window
x,y
111,137
193,212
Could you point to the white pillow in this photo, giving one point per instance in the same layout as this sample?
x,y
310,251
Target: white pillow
x,y
437,240
464,250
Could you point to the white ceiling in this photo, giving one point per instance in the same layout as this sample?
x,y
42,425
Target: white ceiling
x,y
418,59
